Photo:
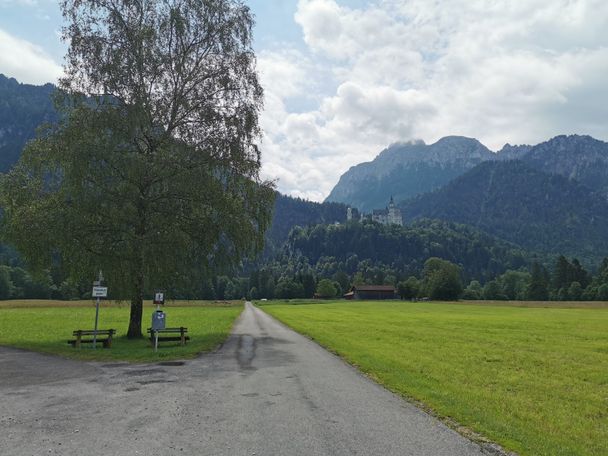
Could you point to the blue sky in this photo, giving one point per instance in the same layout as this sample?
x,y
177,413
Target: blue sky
x,y
343,79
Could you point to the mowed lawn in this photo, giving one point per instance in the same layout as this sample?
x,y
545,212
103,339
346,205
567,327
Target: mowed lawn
x,y
534,380
46,327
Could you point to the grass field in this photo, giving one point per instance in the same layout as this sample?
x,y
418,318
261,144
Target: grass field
x,y
45,326
533,379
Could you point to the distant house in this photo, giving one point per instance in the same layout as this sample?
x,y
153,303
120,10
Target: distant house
x,y
371,292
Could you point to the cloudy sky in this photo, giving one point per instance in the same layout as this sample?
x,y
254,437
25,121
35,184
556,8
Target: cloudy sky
x,y
345,78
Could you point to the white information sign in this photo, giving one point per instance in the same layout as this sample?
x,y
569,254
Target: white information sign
x,y
159,297
100,292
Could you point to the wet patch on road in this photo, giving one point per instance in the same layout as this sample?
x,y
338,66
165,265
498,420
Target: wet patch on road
x,y
140,372
150,382
245,352
171,363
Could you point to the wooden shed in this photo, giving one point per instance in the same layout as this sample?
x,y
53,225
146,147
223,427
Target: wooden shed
x,y
372,292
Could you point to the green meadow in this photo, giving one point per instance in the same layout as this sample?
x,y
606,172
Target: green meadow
x,y
532,379
46,326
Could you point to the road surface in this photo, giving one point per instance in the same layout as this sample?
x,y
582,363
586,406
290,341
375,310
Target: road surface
x,y
267,391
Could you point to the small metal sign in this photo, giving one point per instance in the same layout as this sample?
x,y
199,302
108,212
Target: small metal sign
x,y
100,292
159,298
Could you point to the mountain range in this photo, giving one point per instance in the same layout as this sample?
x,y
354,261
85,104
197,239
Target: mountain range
x,y
407,170
548,198
551,197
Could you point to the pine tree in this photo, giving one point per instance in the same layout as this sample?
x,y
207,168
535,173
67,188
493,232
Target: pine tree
x,y
538,287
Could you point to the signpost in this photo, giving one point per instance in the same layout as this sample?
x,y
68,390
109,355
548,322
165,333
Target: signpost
x,y
158,317
98,293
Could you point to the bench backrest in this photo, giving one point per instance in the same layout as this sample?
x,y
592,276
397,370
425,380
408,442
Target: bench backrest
x,y
90,332
180,329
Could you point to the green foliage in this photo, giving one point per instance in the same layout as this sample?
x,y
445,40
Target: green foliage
x,y
493,292
473,291
575,291
326,289
6,286
534,210
289,289
409,288
513,284
290,212
158,178
602,292
441,279
537,289
378,250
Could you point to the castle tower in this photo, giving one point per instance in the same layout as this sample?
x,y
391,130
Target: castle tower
x,y
349,214
394,214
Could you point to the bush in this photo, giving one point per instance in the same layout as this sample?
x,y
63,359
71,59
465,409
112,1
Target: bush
x,y
441,279
326,289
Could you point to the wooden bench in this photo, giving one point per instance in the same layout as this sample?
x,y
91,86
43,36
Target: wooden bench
x,y
105,339
179,335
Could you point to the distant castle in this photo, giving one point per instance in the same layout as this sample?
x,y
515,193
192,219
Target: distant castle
x,y
390,215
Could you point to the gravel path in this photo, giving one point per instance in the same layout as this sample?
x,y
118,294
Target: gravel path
x,y
267,391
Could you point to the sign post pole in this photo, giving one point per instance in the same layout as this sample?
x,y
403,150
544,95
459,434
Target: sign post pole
x,y
98,292
96,322
159,300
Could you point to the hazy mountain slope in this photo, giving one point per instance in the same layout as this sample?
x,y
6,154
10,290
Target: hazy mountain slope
x,y
23,108
405,170
522,205
580,158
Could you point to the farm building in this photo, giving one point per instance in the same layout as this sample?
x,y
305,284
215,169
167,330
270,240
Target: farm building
x,y
371,292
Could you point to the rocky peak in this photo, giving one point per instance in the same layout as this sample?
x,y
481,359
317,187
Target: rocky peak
x,y
509,152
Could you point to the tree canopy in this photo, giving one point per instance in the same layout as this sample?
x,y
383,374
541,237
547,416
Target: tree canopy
x,y
152,172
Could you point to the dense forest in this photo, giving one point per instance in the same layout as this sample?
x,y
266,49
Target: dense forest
x,y
290,212
534,210
430,258
405,249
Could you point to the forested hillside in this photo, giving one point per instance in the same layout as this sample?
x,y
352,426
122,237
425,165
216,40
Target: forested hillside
x,y
534,210
290,212
403,250
23,108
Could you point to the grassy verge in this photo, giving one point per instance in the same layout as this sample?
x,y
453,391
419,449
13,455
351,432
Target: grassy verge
x,y
46,328
532,379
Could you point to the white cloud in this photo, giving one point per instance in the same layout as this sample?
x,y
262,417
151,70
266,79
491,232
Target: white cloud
x,y
19,2
497,70
25,61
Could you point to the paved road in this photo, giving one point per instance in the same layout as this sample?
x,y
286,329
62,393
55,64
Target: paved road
x,y
267,391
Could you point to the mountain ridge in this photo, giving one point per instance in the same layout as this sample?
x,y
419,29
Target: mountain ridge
x,y
404,170
407,169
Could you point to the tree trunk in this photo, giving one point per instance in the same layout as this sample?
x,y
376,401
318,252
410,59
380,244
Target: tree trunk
x,y
137,300
137,305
